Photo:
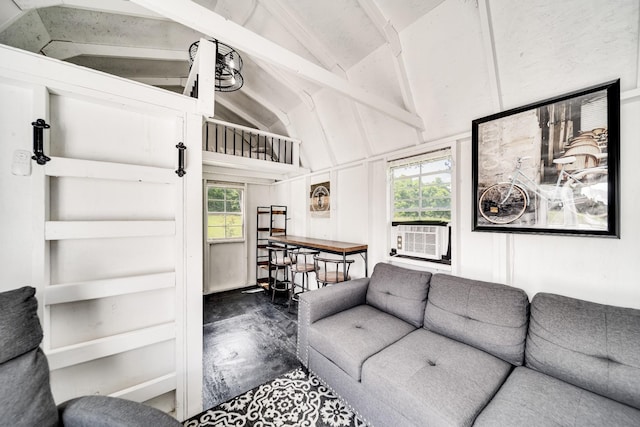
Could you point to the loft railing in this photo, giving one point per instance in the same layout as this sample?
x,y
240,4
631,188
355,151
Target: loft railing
x,y
236,140
228,138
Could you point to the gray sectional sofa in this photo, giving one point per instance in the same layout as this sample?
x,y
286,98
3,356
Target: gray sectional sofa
x,y
407,348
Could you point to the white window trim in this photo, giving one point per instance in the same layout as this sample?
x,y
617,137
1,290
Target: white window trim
x,y
414,159
429,265
242,187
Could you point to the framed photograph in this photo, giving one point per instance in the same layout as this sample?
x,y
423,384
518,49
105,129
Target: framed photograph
x,y
320,200
550,167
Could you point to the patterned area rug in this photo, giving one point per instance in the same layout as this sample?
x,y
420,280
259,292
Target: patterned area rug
x,y
294,400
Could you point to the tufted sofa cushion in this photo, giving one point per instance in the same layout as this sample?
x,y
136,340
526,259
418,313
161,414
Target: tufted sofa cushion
x,y
399,291
531,398
433,380
352,336
593,346
25,396
488,316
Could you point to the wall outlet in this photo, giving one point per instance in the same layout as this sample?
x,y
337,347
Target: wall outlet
x,y
21,163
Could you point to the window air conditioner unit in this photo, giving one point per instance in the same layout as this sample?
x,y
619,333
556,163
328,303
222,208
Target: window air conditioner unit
x,y
423,241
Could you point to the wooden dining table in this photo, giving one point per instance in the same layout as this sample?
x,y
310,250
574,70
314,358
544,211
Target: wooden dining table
x,y
330,246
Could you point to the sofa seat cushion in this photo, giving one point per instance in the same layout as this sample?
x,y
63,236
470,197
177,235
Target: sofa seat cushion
x,y
399,291
489,316
434,380
589,345
352,336
530,398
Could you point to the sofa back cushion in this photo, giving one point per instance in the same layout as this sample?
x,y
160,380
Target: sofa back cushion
x,y
399,291
20,329
25,394
489,316
592,346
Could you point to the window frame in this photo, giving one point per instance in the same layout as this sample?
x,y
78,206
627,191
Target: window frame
x,y
418,159
243,212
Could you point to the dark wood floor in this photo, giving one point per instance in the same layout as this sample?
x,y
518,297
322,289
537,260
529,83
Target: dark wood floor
x,y
248,340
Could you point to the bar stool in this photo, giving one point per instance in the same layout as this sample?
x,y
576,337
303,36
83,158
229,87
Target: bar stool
x,y
278,260
301,262
330,271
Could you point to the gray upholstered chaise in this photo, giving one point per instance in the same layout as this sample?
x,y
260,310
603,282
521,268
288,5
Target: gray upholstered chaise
x,y
582,368
405,348
25,395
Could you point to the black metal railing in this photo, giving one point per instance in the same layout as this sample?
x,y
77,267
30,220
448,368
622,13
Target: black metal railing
x,y
235,140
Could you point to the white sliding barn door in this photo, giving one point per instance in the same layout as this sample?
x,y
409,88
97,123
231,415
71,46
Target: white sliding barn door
x,y
116,264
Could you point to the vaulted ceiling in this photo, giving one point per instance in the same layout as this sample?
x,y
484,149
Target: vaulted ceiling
x,y
292,50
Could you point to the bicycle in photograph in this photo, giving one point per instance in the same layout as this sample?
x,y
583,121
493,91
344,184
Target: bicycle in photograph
x,y
583,193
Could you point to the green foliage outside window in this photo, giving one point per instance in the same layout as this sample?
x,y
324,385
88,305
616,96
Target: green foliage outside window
x,y
225,218
422,191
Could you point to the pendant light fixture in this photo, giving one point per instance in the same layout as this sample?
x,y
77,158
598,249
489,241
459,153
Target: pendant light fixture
x,y
228,66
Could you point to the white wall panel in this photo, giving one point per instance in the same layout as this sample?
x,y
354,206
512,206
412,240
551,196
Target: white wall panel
x,y
386,134
338,120
110,200
298,207
377,213
352,210
75,322
376,73
78,260
15,209
87,130
228,266
315,155
114,373
546,48
446,68
350,203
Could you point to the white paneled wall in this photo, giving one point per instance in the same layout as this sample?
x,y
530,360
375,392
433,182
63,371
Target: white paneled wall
x,y
112,249
15,209
466,60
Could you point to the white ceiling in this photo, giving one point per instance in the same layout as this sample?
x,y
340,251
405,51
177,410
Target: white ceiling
x,y
122,38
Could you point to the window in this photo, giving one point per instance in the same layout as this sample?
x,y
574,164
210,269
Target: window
x,y
421,187
225,216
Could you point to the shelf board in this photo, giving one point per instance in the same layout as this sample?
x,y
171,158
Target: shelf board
x,y
278,230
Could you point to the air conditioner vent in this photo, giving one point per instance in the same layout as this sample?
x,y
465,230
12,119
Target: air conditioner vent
x,y
422,241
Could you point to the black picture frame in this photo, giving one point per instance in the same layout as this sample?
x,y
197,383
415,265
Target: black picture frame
x,y
550,167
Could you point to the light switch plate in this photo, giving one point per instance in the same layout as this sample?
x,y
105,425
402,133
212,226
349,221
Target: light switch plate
x,y
21,163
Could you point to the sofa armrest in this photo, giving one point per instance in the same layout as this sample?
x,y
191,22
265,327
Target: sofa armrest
x,y
325,302
112,412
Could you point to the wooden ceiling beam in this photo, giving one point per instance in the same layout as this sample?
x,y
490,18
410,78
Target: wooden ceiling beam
x,y
123,7
64,50
210,23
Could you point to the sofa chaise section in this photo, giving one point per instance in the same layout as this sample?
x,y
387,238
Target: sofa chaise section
x,y
445,373
582,367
